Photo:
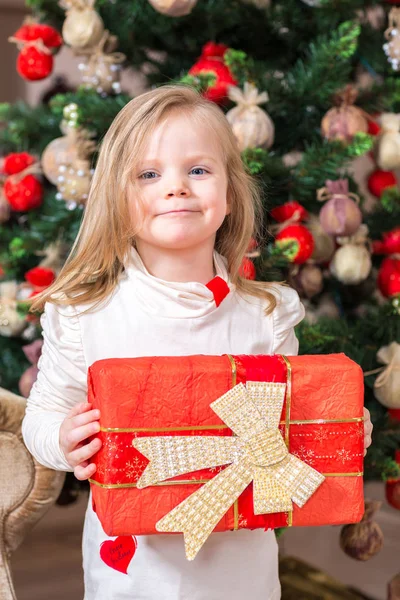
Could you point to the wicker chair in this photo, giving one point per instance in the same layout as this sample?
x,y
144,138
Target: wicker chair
x,y
27,489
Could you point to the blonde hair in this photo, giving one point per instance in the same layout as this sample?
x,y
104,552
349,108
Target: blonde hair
x,y
96,261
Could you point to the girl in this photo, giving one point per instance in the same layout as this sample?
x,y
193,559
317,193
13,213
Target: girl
x,y
154,271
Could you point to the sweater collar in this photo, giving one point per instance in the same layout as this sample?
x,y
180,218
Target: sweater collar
x,y
177,299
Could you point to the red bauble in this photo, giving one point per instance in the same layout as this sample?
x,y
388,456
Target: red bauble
x,y
211,60
393,487
32,64
252,245
300,240
40,276
25,194
38,31
247,269
373,126
287,210
390,244
379,180
394,414
17,162
389,277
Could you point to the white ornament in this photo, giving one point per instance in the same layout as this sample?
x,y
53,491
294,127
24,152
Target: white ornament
x,y
387,148
252,127
351,263
174,8
387,384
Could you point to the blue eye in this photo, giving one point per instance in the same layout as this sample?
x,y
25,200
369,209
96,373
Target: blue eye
x,y
143,175
199,169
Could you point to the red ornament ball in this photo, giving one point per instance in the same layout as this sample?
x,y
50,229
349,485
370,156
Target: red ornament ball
x,y
379,180
25,194
287,210
39,31
32,64
390,243
247,269
393,487
373,127
296,243
17,162
211,61
40,276
389,277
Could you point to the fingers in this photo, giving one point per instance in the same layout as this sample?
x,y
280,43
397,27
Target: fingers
x,y
76,435
84,470
86,417
83,453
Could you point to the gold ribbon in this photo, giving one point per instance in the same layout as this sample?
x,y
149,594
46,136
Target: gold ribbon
x,y
256,453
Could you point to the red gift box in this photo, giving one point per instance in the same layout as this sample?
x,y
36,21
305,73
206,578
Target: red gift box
x,y
321,423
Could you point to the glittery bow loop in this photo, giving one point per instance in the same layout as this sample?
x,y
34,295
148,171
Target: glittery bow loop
x,y
257,453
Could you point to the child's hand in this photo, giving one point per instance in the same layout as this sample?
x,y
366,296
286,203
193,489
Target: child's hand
x,y
79,424
368,427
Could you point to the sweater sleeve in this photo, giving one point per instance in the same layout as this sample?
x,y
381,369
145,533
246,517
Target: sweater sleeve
x,y
61,383
287,314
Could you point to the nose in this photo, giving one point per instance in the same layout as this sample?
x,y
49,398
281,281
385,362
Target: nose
x,y
178,191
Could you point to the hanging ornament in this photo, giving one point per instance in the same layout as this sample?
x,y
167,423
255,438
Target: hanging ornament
x,y
352,263
73,183
296,243
174,8
340,215
379,181
101,70
307,280
16,162
324,244
326,308
387,147
389,277
23,190
291,211
392,488
36,43
363,540
345,120
212,61
11,323
40,277
64,150
83,26
252,127
31,31
392,47
390,243
32,352
387,384
247,269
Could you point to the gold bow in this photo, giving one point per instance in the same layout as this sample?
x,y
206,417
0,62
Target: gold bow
x,y
256,453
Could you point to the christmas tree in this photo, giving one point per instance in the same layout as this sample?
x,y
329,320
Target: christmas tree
x,y
311,90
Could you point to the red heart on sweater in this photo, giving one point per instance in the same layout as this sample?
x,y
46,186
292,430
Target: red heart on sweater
x,y
118,553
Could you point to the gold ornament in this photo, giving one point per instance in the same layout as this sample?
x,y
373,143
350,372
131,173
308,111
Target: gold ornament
x,y
252,127
11,323
102,68
83,26
73,183
387,384
387,147
256,453
174,8
343,121
60,151
392,47
351,263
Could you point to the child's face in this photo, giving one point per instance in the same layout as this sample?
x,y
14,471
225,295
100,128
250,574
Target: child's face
x,y
183,184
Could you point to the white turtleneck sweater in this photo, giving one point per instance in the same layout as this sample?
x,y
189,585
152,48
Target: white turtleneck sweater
x,y
147,316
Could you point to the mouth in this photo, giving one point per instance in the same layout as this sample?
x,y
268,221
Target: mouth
x,y
177,212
